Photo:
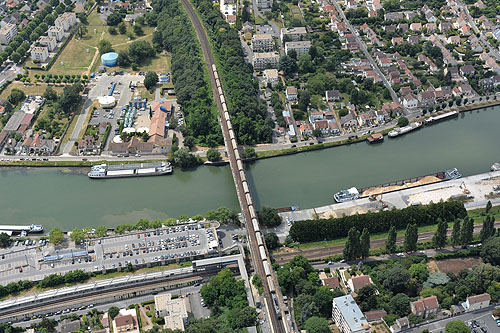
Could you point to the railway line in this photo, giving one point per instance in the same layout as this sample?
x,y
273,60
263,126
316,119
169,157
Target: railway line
x,y
261,260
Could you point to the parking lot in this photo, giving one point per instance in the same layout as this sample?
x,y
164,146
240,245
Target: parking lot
x,y
111,253
479,322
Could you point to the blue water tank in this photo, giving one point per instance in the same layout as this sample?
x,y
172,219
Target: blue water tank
x,y
109,59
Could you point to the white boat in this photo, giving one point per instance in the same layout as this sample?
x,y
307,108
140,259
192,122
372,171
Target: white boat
x,y
452,174
346,195
495,167
403,130
103,171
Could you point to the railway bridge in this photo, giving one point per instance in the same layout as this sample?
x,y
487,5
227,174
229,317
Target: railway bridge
x,y
260,257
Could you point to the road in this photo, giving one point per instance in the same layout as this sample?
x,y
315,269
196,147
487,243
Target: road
x,y
362,45
9,73
277,325
470,19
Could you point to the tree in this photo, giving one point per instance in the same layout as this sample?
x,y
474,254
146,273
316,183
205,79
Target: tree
x,y
123,59
114,19
16,96
140,50
365,243
457,326
150,80
50,94
488,207
104,46
184,159
456,239
101,231
4,239
396,279
269,217
112,31
490,251
403,121
122,28
419,272
249,152
317,325
272,241
367,297
213,155
467,231
390,243
488,229
113,312
317,133
400,304
56,236
77,235
411,237
16,57
82,31
352,246
138,30
439,238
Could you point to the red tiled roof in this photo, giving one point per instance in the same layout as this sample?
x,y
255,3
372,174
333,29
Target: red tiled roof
x,y
360,281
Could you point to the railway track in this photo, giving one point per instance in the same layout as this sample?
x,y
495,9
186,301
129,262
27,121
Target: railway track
x,y
259,253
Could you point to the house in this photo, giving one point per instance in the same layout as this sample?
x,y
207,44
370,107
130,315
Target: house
x,y
413,40
477,302
403,27
301,47
426,99
358,282
332,95
466,90
306,129
410,101
290,34
174,311
265,60
332,282
271,76
38,145
417,27
349,120
454,39
489,83
262,43
264,4
347,315
425,307
400,324
66,20
125,323
89,146
247,27
466,31
323,126
445,26
56,32
68,326
375,315
39,54
394,16
291,93
431,28
397,40
467,70
453,72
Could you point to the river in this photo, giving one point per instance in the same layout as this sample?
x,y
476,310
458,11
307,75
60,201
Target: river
x,y
57,198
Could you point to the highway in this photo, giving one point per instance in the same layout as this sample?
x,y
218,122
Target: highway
x,y
362,45
276,324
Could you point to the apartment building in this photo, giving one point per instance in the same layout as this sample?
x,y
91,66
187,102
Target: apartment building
x,y
56,32
264,4
271,76
293,33
40,53
7,33
66,21
301,47
262,43
49,42
348,316
265,60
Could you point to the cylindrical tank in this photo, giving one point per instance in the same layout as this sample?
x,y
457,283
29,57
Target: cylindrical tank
x,y
109,59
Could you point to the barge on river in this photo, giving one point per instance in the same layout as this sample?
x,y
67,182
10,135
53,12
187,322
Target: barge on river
x,y
403,130
103,171
436,119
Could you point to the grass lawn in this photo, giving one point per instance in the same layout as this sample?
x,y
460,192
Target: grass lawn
x,y
75,58
32,89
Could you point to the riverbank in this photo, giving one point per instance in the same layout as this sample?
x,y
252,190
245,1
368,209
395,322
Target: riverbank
x,y
71,164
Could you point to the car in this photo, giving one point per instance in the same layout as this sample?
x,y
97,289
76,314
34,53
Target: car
x,y
137,155
330,262
20,269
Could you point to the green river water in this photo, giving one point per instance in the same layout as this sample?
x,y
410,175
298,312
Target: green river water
x,y
65,199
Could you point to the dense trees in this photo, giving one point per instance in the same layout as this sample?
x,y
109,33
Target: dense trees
x,y
140,50
213,155
176,35
317,325
114,19
272,241
113,312
77,235
352,248
185,159
4,239
269,217
317,230
365,243
457,326
248,112
490,251
390,243
411,237
488,229
56,236
439,238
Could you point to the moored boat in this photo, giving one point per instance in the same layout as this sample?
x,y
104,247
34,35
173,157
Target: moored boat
x,y
103,171
403,130
375,138
346,195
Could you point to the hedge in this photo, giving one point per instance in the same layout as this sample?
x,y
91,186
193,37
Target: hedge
x,y
321,229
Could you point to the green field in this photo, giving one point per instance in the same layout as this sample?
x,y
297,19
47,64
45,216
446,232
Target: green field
x,y
32,89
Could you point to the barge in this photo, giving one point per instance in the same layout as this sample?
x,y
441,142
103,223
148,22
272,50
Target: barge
x,y
403,130
495,167
103,171
346,195
444,116
375,138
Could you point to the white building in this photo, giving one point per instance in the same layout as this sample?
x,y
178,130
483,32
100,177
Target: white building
x,y
293,33
410,101
271,76
265,60
262,43
227,7
348,317
7,33
48,41
56,32
175,312
477,302
301,47
264,4
40,53
66,21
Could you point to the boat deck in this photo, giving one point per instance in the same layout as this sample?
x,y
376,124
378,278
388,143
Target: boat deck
x,y
118,167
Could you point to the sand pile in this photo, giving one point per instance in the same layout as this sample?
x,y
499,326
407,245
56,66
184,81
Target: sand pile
x,y
379,190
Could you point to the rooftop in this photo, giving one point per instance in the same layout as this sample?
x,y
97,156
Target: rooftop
x,y
351,313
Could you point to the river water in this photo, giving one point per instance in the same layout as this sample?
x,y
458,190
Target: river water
x,y
65,199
